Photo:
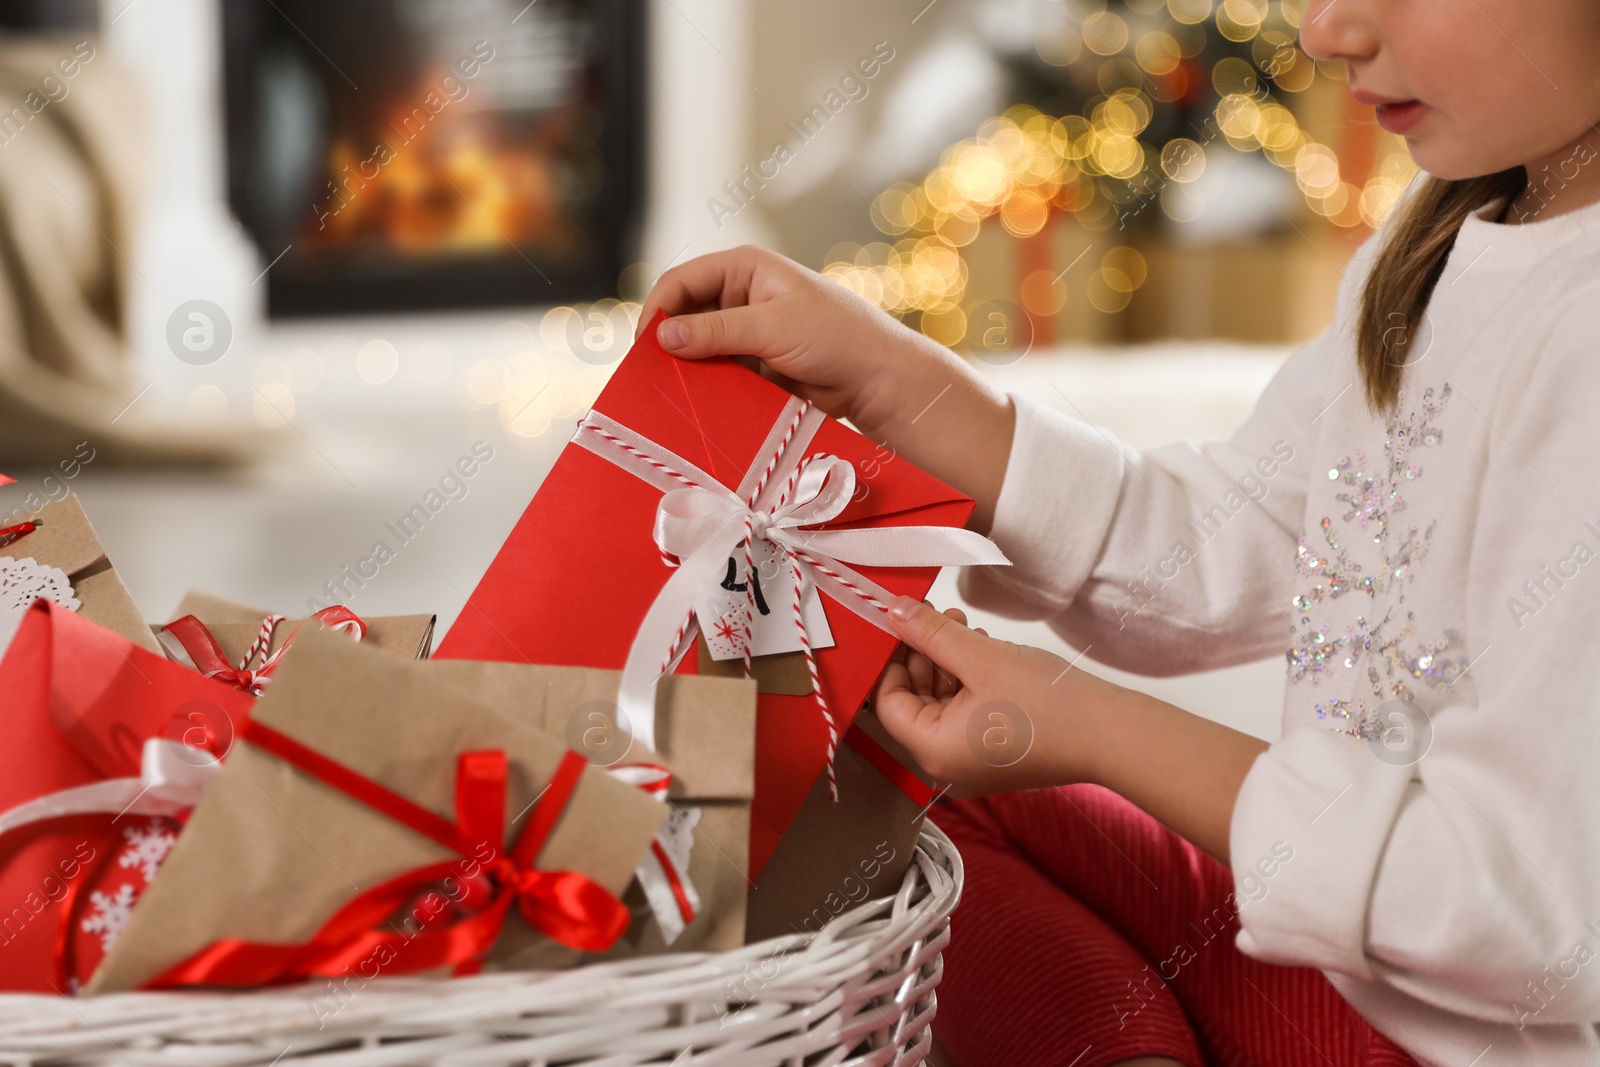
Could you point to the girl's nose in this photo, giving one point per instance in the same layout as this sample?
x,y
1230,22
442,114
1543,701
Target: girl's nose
x,y
1339,30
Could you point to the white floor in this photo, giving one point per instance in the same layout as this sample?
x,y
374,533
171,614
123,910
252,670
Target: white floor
x,y
360,460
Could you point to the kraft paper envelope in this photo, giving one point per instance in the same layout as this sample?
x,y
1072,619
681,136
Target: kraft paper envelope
x,y
270,853
235,627
839,854
65,540
707,731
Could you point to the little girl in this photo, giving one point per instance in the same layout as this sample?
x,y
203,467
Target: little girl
x,y
1412,873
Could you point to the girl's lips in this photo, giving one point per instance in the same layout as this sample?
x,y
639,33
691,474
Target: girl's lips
x,y
1400,117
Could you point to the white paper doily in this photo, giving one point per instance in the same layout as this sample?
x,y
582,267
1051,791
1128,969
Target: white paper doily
x,y
21,582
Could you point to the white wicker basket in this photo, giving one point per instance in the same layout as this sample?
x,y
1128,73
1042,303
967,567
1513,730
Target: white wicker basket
x,y
860,992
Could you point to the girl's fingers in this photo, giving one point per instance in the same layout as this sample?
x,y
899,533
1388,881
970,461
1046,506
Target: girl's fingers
x,y
718,280
921,673
895,678
735,331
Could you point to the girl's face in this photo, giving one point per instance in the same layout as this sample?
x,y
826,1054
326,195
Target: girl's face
x,y
1474,86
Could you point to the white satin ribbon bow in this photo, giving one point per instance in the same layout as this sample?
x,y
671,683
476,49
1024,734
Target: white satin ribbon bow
x,y
703,523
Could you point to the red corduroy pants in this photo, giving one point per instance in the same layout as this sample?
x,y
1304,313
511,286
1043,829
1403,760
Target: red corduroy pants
x,y
1088,933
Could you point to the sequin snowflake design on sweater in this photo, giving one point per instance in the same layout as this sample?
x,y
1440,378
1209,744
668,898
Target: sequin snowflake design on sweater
x,y
1383,636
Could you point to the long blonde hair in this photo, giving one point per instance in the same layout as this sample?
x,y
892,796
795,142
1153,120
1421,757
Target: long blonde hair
x,y
1407,269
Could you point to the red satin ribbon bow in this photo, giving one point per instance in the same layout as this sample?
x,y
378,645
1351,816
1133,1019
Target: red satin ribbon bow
x,y
566,906
202,649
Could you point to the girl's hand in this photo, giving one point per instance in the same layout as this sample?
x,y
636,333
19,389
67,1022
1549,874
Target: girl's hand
x,y
986,716
983,715
826,344
819,340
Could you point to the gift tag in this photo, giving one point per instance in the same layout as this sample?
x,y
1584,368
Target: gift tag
x,y
733,610
21,582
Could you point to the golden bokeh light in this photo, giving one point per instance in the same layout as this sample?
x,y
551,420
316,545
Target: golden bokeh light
x,y
1023,167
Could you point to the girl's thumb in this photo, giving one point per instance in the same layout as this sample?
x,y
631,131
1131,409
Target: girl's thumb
x,y
946,642
739,331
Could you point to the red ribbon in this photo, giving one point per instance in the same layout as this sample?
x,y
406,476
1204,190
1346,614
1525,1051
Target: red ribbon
x,y
566,906
206,653
674,882
909,784
654,780
8,532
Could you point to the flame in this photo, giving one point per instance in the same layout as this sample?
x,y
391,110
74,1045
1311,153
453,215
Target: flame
x,y
455,184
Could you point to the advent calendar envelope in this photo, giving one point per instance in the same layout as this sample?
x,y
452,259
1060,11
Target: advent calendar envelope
x,y
582,571
77,705
317,851
66,541
707,751
235,627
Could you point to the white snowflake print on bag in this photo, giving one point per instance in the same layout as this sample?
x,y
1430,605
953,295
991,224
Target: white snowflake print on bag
x,y
109,913
146,845
147,848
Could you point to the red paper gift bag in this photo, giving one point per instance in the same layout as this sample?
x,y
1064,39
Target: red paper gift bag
x,y
78,704
648,499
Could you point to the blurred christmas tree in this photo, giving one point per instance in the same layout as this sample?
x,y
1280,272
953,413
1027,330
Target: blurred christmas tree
x,y
1118,109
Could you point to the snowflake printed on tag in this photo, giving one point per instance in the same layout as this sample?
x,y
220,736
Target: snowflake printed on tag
x,y
109,913
23,580
147,847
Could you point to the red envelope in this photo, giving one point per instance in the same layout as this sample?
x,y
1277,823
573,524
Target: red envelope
x,y
77,703
581,568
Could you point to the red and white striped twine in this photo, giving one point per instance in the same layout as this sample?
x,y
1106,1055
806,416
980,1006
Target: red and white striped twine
x,y
749,589
816,678
750,578
777,453
646,457
262,643
677,639
842,580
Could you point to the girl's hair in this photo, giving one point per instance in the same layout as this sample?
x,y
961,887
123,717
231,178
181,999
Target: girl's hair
x,y
1408,267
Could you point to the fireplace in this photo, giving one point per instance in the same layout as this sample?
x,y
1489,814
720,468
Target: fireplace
x,y
410,154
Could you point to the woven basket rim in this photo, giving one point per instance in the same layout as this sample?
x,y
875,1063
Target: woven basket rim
x,y
882,950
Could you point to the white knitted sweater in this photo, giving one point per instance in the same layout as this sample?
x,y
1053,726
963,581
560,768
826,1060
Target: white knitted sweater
x,y
1433,577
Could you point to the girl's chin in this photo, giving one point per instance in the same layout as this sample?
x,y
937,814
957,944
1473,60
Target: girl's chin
x,y
1438,161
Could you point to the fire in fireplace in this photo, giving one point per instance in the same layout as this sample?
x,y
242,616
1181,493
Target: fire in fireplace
x,y
409,154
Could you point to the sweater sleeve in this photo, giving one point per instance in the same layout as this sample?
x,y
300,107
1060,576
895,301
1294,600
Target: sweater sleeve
x,y
1155,557
1468,878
